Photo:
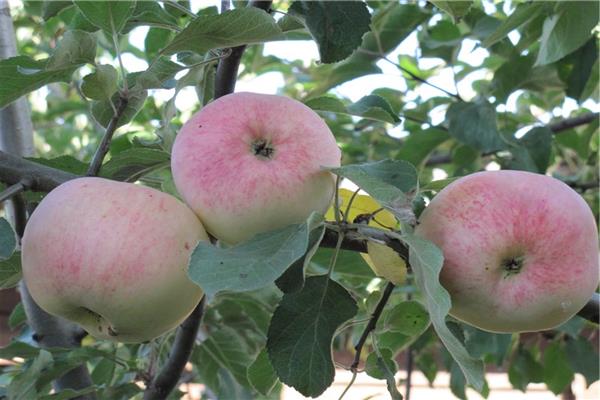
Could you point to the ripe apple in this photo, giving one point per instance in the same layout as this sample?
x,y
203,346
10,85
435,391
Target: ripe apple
x,y
112,257
520,249
249,163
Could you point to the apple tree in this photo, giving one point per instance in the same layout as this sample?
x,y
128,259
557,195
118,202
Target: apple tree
x,y
417,94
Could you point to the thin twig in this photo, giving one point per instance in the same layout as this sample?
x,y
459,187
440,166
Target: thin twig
x,y
164,382
409,73
13,190
573,122
104,145
371,325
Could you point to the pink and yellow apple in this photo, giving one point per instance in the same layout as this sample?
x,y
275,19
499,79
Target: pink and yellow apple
x,y
112,257
249,163
520,249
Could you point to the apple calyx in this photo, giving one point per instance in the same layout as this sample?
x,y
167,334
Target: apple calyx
x,y
262,149
512,265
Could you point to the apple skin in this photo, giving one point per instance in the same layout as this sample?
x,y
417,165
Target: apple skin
x,y
249,163
112,257
484,220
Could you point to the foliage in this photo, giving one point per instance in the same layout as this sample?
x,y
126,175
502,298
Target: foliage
x,y
280,297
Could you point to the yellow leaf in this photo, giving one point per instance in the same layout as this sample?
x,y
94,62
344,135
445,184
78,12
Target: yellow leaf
x,y
363,204
385,262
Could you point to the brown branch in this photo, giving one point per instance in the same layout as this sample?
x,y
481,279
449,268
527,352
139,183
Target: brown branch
x,y
227,68
13,190
371,325
573,122
104,145
167,378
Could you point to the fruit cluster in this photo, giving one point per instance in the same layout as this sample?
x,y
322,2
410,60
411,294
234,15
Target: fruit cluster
x,y
521,249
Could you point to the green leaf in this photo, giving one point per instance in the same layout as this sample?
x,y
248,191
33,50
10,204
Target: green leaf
x,y
131,164
161,70
67,394
567,30
52,7
336,26
155,40
556,369
100,84
524,13
390,182
583,358
23,385
8,241
19,349
10,271
455,8
73,50
532,151
409,318
152,14
223,349
261,374
583,63
103,372
390,25
481,344
376,366
17,317
21,75
301,332
292,280
438,185
232,28
441,40
370,107
110,16
427,260
103,112
511,75
64,163
418,145
457,382
252,264
474,124
524,369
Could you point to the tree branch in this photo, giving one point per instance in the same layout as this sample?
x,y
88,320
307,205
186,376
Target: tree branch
x,y
228,67
170,373
104,145
371,325
572,122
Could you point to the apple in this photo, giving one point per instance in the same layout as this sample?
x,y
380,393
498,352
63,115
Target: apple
x,y
112,257
520,249
249,163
